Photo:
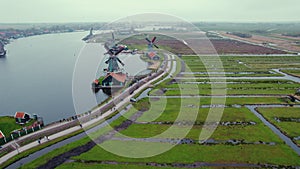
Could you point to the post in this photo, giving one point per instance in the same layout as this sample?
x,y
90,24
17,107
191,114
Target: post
x,y
19,133
40,126
17,146
4,139
12,137
32,129
26,130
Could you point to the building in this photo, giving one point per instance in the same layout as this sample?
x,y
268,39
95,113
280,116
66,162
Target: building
x,y
153,55
114,79
22,117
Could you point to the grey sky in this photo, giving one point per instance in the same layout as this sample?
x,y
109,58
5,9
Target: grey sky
x,y
21,11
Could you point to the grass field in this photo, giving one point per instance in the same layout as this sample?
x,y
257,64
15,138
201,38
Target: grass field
x,y
8,124
79,165
283,118
243,153
233,66
238,132
196,153
295,72
242,63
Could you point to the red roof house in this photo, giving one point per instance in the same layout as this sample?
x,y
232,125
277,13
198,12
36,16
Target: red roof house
x,y
153,55
121,77
114,79
22,117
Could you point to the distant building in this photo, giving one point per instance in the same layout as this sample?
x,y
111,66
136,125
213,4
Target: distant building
x,y
22,117
153,55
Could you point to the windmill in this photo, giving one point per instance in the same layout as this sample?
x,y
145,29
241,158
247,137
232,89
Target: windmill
x,y
112,46
113,59
89,36
151,43
114,79
151,53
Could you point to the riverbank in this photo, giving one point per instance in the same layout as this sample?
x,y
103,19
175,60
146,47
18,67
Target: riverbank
x,y
98,114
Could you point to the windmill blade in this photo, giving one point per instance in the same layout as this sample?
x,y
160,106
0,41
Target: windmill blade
x,y
154,38
148,40
106,46
120,62
119,51
106,62
110,52
156,46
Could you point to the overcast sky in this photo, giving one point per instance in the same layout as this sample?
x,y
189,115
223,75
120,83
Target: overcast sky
x,y
22,11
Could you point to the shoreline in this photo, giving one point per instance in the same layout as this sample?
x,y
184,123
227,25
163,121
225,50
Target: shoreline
x,y
118,102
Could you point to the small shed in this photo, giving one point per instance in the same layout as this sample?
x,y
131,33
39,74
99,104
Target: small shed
x,y
22,117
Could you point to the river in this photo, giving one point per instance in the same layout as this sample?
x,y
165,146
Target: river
x,y
36,75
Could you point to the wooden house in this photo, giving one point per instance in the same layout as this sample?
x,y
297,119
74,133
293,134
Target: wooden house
x,y
22,117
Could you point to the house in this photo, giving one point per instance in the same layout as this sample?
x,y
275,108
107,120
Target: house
x,y
22,117
1,135
114,79
153,55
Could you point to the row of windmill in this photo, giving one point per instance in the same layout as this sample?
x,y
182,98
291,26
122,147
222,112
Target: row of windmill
x,y
114,77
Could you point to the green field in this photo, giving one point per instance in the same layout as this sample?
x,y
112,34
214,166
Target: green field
x,y
285,123
295,72
8,124
238,132
235,66
241,64
196,153
186,154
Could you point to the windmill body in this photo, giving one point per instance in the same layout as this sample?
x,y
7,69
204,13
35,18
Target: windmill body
x,y
114,78
151,52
